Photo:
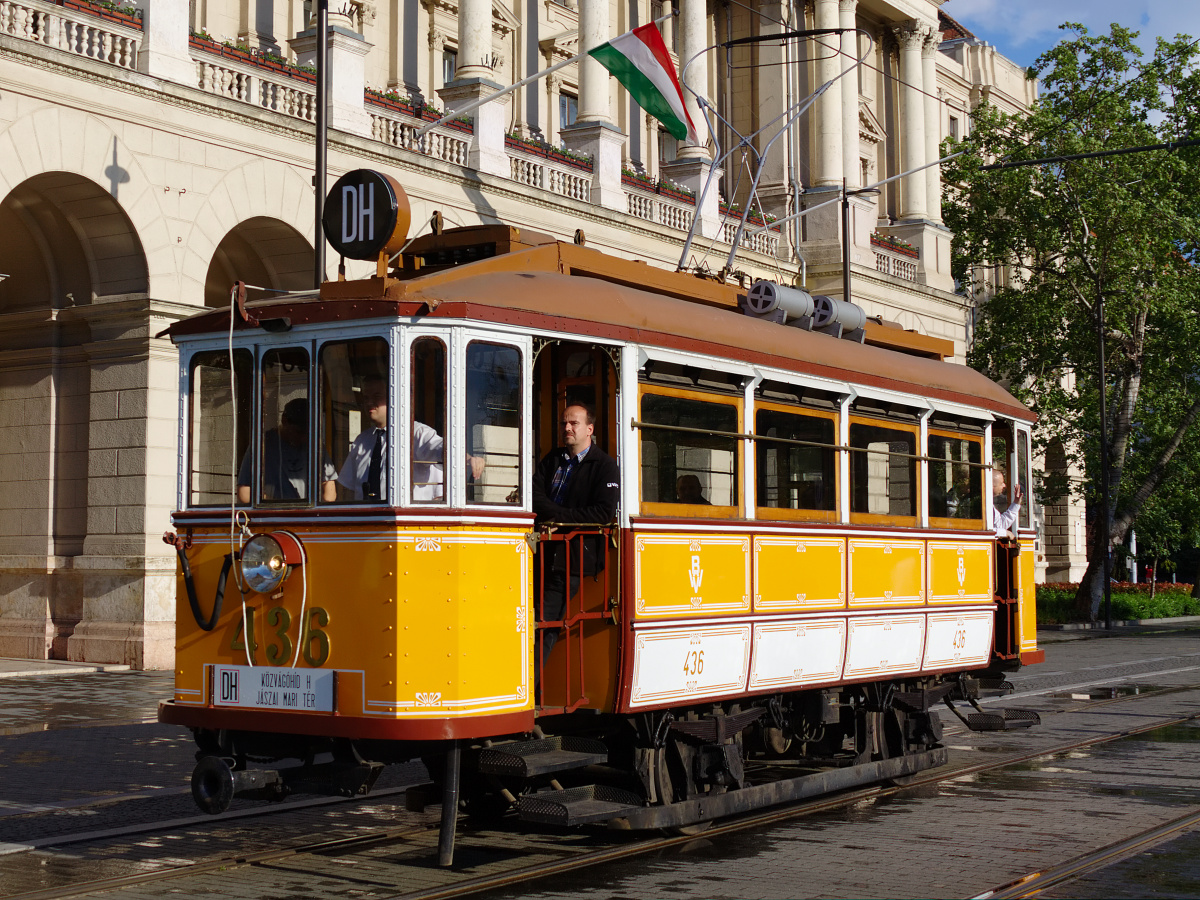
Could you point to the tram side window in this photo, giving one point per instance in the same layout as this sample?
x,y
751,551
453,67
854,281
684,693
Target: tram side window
x,y
883,471
284,475
353,401
686,466
220,435
795,476
428,421
955,477
493,419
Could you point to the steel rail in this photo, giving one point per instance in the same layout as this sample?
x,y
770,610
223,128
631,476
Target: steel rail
x,y
1036,882
588,859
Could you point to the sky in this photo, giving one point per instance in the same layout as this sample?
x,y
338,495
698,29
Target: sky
x,y
1023,29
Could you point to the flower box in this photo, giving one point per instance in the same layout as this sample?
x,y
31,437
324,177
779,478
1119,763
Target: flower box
x,y
646,183
259,60
896,245
756,218
128,16
548,152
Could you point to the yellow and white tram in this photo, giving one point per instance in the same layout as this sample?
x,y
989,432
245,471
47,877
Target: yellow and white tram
x,y
836,575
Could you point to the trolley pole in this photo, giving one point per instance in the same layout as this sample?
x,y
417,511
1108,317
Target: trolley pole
x,y
322,163
1105,537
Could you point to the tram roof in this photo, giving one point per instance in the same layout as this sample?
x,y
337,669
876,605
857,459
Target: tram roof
x,y
568,289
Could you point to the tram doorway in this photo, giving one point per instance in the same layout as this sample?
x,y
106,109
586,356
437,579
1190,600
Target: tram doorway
x,y
577,672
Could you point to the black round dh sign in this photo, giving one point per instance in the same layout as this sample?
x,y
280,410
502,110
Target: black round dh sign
x,y
366,214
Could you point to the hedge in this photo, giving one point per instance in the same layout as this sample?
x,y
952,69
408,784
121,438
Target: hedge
x,y
1056,602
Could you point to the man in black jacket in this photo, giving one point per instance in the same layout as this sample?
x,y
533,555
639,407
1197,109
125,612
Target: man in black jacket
x,y
576,483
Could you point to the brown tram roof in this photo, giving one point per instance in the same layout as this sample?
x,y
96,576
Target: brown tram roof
x,y
566,288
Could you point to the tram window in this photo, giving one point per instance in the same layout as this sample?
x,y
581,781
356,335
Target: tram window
x,y
219,435
353,401
427,419
1026,520
697,468
883,471
493,419
790,476
283,469
955,477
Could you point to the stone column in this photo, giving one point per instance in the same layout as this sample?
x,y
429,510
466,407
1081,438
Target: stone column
x,y
593,77
914,192
827,158
933,125
693,32
164,49
850,164
347,59
474,39
594,132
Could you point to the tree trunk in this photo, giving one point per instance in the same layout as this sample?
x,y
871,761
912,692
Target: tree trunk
x,y
1153,577
1090,595
1196,582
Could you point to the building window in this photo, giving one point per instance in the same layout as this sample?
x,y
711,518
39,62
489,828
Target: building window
x,y
568,109
668,147
449,65
954,128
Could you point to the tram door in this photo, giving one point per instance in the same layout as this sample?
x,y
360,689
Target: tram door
x,y
580,671
1008,570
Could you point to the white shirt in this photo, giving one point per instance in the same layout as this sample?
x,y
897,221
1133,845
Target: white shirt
x,y
428,448
427,472
1003,522
358,463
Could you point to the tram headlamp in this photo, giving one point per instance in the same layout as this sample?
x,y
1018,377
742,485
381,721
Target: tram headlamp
x,y
267,559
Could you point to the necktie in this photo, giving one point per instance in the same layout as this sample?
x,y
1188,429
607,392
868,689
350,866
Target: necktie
x,y
371,488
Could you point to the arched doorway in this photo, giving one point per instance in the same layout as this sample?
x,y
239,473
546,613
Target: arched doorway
x,y
260,251
67,242
67,248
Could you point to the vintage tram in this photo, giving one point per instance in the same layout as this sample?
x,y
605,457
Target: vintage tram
x,y
803,564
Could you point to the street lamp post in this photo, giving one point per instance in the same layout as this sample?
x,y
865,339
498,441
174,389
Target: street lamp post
x,y
1105,537
846,195
322,162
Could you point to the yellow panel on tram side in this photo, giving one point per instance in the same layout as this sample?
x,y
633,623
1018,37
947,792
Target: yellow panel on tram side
x,y
886,572
799,573
960,571
687,575
1027,599
418,623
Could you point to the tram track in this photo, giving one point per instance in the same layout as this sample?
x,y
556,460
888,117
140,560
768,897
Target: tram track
x,y
568,859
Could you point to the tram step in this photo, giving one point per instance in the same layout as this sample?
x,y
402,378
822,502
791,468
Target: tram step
x,y
1003,720
557,753
995,687
578,805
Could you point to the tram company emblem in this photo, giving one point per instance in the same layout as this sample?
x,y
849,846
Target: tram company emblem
x,y
696,574
962,572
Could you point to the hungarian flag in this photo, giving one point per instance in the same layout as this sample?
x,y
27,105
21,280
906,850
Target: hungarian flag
x,y
639,60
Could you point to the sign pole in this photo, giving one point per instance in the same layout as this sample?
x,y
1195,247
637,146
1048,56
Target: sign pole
x,y
322,162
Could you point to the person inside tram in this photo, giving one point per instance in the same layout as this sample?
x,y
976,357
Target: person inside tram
x,y
364,473
285,460
1004,514
961,500
689,490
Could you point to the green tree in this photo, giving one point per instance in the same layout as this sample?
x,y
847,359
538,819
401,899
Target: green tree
x,y
1049,245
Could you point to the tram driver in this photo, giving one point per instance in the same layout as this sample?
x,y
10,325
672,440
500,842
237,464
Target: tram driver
x,y
577,483
285,460
364,473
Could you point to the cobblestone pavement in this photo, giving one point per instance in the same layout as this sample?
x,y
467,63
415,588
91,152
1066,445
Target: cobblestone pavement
x,y
82,753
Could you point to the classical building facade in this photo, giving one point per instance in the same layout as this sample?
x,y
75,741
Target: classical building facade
x,y
153,155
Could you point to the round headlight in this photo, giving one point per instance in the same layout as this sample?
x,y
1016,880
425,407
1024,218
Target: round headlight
x,y
263,563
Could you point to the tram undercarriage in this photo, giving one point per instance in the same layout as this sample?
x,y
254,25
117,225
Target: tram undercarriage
x,y
677,769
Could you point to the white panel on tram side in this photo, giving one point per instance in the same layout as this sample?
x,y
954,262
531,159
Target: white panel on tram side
x,y
877,646
683,665
791,654
958,639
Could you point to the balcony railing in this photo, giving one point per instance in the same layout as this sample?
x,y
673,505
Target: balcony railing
x,y
398,130
889,262
76,31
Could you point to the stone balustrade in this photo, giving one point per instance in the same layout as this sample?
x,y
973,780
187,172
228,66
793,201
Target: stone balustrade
x,y
80,33
234,80
397,130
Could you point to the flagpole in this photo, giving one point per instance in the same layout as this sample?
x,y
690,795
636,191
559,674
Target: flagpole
x,y
475,104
